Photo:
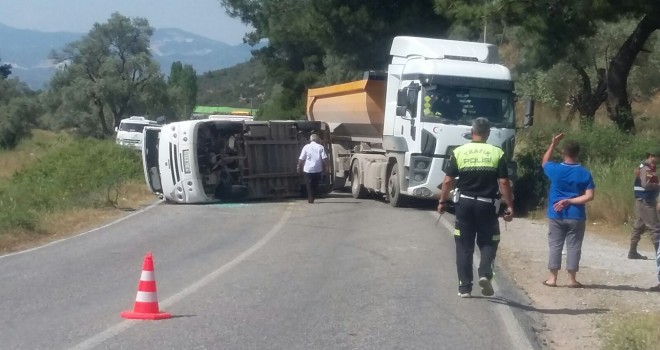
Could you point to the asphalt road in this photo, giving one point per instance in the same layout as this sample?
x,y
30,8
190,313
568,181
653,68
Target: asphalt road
x,y
338,274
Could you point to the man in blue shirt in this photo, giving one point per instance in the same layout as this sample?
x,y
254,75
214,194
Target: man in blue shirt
x,y
571,186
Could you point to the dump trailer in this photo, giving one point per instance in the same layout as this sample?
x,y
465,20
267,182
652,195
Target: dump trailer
x,y
207,160
393,132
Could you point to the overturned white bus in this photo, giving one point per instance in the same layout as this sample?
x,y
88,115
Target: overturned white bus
x,y
201,161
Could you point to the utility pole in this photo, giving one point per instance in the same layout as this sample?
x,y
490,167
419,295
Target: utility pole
x,y
485,28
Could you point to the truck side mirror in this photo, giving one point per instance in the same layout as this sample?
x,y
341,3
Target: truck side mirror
x,y
529,113
402,102
401,111
116,128
402,98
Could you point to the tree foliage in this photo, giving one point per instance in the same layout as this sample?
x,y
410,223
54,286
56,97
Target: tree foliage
x,y
19,111
5,71
182,88
108,75
580,79
306,39
556,30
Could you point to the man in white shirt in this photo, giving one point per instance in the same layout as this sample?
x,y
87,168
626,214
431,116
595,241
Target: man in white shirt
x,y
313,161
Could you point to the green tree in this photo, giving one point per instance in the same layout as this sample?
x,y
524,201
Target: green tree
x,y
5,71
107,71
552,30
306,38
581,78
182,87
19,111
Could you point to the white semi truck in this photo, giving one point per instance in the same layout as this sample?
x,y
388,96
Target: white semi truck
x,y
210,160
393,133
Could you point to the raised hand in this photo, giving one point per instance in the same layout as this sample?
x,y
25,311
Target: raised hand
x,y
557,138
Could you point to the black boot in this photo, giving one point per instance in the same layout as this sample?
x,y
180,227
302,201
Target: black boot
x,y
633,254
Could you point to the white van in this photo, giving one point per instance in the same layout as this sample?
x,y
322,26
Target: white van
x,y
129,131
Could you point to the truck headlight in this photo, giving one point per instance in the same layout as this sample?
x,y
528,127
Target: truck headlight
x,y
422,165
186,161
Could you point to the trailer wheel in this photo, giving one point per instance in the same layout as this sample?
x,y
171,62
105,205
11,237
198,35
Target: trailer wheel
x,y
357,189
393,189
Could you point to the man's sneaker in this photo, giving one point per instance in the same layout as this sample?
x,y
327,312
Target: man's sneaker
x,y
486,287
636,256
464,295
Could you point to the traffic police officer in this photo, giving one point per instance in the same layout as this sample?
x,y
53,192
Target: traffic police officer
x,y
479,172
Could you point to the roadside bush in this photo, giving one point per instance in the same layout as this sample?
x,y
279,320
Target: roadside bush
x,y
632,332
614,198
610,155
531,187
84,173
16,119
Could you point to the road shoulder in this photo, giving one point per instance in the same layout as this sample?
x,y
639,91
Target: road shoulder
x,y
571,318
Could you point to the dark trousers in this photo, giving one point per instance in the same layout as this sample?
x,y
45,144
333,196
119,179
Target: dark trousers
x,y
475,221
312,181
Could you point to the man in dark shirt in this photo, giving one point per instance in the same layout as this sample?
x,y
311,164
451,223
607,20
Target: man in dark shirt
x,y
482,176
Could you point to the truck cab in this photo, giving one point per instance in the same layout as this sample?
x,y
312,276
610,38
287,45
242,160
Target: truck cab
x,y
129,131
435,89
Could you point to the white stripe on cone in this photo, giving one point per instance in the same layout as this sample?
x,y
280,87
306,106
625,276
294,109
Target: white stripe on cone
x,y
146,297
148,276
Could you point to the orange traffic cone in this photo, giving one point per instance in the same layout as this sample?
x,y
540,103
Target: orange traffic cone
x,y
146,301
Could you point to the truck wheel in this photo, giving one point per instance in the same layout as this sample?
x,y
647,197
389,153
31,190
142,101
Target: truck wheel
x,y
393,189
357,190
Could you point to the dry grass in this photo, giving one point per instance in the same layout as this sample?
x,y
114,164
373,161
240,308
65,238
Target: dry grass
x,y
57,225
29,151
632,332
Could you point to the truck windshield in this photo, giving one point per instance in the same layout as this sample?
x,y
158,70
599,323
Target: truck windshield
x,y
461,105
131,127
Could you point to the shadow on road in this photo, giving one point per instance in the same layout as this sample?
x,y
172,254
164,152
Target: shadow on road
x,y
619,287
562,311
336,202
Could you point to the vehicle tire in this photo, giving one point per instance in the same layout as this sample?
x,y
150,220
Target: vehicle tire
x,y
394,195
357,189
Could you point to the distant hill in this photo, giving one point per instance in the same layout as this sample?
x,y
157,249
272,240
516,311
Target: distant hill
x,y
27,51
237,86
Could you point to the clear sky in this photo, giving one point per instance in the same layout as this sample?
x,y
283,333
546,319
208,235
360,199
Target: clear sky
x,y
203,17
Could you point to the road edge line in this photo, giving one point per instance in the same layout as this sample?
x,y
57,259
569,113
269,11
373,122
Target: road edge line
x,y
116,221
120,327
